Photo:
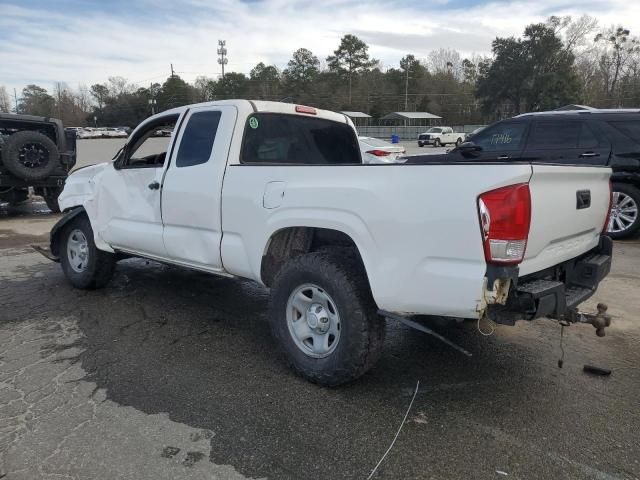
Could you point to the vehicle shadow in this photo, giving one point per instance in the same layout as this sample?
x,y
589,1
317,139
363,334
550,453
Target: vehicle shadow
x,y
197,347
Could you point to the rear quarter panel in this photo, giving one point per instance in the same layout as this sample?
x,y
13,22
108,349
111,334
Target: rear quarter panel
x,y
416,226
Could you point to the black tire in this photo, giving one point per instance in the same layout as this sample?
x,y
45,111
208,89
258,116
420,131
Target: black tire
x,y
99,266
30,155
51,199
436,143
420,144
458,142
634,193
362,330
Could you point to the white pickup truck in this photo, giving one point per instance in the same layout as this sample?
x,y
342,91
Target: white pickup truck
x,y
440,136
278,193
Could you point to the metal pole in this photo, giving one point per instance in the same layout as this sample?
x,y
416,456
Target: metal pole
x,y
15,96
406,90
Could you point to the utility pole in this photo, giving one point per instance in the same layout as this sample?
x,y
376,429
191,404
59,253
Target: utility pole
x,y
152,100
15,96
172,72
222,53
406,90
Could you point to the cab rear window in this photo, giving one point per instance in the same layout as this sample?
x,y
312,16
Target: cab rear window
x,y
274,138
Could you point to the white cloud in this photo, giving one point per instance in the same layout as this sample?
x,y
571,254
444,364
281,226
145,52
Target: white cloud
x,y
66,46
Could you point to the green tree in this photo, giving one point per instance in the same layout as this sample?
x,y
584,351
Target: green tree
x,y
534,73
301,71
350,58
100,93
265,80
232,85
174,93
36,101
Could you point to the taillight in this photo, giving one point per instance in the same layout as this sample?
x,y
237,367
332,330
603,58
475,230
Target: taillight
x,y
505,218
379,153
605,227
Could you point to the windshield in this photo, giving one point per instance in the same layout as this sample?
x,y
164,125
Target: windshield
x,y
434,130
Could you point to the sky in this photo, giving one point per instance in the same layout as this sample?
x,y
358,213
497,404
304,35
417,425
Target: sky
x,y
85,41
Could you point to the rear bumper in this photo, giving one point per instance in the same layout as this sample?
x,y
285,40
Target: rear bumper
x,y
555,291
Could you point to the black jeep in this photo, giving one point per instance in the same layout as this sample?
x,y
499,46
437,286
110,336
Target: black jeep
x,y
34,152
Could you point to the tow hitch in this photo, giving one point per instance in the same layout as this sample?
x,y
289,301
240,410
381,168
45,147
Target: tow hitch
x,y
600,320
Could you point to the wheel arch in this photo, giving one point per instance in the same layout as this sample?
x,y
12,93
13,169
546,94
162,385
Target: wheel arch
x,y
289,242
56,230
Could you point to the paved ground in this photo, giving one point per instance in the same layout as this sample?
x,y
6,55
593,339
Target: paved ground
x,y
170,374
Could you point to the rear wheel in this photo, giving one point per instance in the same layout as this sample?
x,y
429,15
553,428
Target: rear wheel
x,y
324,318
624,219
83,264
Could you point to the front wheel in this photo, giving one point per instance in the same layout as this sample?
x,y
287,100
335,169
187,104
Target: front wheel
x,y
458,142
83,264
324,318
436,142
624,219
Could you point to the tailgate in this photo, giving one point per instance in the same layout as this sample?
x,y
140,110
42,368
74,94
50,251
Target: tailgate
x,y
568,209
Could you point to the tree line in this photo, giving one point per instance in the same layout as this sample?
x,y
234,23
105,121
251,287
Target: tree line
x,y
554,63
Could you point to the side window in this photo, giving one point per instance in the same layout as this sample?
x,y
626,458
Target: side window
x,y
149,147
588,138
298,140
555,134
504,136
197,139
630,129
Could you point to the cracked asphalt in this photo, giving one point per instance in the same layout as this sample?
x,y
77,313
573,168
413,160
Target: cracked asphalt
x,y
170,374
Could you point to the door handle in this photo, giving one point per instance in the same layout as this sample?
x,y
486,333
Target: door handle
x,y
590,154
154,186
503,157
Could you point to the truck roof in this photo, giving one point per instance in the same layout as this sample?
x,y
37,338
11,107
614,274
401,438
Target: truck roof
x,y
263,106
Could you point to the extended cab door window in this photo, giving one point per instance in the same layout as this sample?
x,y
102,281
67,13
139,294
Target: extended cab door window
x,y
197,139
275,138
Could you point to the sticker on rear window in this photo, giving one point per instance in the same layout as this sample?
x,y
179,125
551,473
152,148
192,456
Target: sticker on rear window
x,y
253,122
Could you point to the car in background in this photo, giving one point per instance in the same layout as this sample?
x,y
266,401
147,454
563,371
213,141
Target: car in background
x,y
35,153
88,132
440,136
114,132
375,150
126,130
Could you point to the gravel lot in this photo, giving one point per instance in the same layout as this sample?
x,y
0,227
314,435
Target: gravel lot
x,y
170,374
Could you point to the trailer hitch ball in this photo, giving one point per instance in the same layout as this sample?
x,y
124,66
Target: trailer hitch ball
x,y
601,320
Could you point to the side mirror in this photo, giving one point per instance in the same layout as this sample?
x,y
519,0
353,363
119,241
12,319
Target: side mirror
x,y
469,148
